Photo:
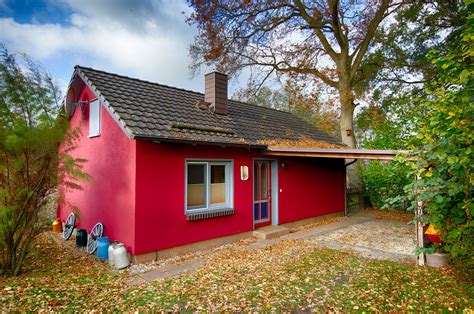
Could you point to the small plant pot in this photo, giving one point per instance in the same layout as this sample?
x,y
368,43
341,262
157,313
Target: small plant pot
x,y
436,260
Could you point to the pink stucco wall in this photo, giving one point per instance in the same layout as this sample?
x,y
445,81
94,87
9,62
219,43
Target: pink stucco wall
x,y
310,187
138,188
110,197
160,219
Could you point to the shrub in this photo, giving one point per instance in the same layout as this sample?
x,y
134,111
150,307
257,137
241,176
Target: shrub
x,y
384,182
443,165
31,128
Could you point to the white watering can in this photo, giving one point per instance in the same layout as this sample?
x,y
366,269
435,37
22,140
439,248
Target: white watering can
x,y
120,256
111,252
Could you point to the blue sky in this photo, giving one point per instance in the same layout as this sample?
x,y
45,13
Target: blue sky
x,y
147,39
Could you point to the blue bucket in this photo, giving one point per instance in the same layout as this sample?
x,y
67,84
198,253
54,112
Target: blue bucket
x,y
103,248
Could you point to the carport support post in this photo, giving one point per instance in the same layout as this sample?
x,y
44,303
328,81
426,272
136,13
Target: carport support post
x,y
420,234
420,258
346,210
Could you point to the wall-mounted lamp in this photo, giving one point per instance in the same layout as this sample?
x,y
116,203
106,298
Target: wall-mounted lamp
x,y
283,164
80,104
244,173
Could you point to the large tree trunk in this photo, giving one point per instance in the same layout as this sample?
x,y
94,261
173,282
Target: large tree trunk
x,y
346,123
346,98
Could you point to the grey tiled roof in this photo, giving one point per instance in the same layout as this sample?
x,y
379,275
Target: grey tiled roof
x,y
159,112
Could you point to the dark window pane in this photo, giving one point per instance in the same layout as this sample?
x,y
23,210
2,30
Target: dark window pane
x,y
264,210
196,174
217,184
196,194
217,174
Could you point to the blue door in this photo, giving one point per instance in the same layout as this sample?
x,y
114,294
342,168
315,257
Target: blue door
x,y
262,191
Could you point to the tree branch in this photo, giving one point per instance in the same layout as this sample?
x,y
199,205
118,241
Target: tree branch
x,y
277,65
337,28
316,26
314,72
361,49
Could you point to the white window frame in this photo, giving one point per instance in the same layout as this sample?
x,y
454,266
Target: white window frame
x,y
95,103
229,184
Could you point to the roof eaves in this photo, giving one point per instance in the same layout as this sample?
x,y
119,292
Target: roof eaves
x,y
196,142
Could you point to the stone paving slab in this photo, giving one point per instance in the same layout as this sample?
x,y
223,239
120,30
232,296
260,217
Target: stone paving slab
x,y
135,280
165,272
261,244
269,232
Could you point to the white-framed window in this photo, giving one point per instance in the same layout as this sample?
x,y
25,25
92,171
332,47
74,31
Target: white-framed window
x,y
94,118
209,185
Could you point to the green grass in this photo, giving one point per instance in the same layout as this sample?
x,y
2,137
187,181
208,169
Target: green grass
x,y
290,275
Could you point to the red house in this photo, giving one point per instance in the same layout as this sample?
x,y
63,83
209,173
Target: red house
x,y
172,168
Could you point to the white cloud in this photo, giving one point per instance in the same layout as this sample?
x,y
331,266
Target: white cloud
x,y
149,41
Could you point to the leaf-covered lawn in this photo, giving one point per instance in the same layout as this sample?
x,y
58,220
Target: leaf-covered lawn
x,y
287,275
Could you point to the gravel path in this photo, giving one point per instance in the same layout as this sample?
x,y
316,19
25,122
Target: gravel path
x,y
391,236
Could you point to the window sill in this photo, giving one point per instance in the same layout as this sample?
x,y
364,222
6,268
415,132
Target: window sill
x,y
95,135
205,214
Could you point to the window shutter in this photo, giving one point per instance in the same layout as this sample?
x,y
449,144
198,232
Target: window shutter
x,y
94,118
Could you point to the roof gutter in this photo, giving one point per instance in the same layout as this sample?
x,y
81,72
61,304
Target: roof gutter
x,y
192,142
350,163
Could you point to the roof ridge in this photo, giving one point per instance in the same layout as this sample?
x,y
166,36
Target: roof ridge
x,y
174,87
247,103
139,80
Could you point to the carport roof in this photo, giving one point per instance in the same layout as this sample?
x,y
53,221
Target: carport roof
x,y
334,153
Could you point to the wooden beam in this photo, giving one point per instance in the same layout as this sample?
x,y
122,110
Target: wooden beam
x,y
332,155
419,237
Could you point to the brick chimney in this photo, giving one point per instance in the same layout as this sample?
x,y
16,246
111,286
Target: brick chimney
x,y
215,92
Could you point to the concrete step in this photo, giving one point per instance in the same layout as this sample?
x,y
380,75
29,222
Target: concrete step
x,y
269,232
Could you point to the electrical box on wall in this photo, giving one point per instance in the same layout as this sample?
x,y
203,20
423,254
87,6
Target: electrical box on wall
x,y
244,173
